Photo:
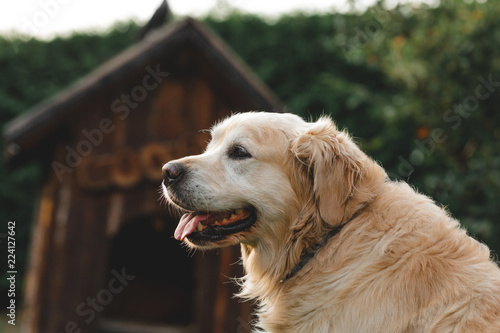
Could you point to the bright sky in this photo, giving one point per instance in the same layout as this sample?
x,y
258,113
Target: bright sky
x,y
47,18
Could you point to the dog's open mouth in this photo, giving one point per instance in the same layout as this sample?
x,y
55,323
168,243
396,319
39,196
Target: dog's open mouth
x,y
213,227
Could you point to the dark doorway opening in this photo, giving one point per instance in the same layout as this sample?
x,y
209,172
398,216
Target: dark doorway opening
x,y
162,292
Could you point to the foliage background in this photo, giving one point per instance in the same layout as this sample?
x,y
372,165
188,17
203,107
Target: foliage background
x,y
403,81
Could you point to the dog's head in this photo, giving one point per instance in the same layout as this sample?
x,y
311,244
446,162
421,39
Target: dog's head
x,y
263,174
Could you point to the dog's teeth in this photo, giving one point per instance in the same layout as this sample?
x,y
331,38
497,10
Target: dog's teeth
x,y
199,227
224,220
233,216
240,212
217,223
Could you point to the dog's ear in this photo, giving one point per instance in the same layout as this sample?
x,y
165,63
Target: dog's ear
x,y
334,163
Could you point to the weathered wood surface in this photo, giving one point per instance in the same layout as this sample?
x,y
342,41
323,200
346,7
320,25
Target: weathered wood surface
x,y
118,182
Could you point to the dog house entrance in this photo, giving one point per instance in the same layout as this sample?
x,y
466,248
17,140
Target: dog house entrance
x,y
160,297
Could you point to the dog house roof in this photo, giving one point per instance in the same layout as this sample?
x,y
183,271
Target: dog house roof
x,y
30,129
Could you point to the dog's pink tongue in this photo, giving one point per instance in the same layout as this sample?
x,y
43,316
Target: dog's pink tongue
x,y
187,225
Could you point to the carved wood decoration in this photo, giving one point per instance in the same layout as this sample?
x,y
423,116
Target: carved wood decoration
x,y
128,168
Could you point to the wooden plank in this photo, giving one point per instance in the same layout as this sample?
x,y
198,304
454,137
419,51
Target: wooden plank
x,y
50,279
222,296
40,241
206,282
94,259
115,214
199,104
58,256
119,134
167,117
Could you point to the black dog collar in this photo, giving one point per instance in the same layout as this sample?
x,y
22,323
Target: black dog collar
x,y
310,254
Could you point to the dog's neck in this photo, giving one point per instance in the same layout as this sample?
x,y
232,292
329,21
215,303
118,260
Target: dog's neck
x,y
271,262
275,260
307,256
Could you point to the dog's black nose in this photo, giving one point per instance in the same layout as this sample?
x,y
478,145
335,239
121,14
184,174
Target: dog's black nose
x,y
172,173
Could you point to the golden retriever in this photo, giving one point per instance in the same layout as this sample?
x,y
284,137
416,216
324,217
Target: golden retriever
x,y
329,244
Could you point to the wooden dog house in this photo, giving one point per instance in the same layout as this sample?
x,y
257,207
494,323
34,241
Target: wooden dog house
x,y
102,257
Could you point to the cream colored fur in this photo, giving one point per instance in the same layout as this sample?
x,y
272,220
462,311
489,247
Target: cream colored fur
x,y
402,264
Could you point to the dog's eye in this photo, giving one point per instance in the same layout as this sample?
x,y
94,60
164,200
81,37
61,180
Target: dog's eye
x,y
238,153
